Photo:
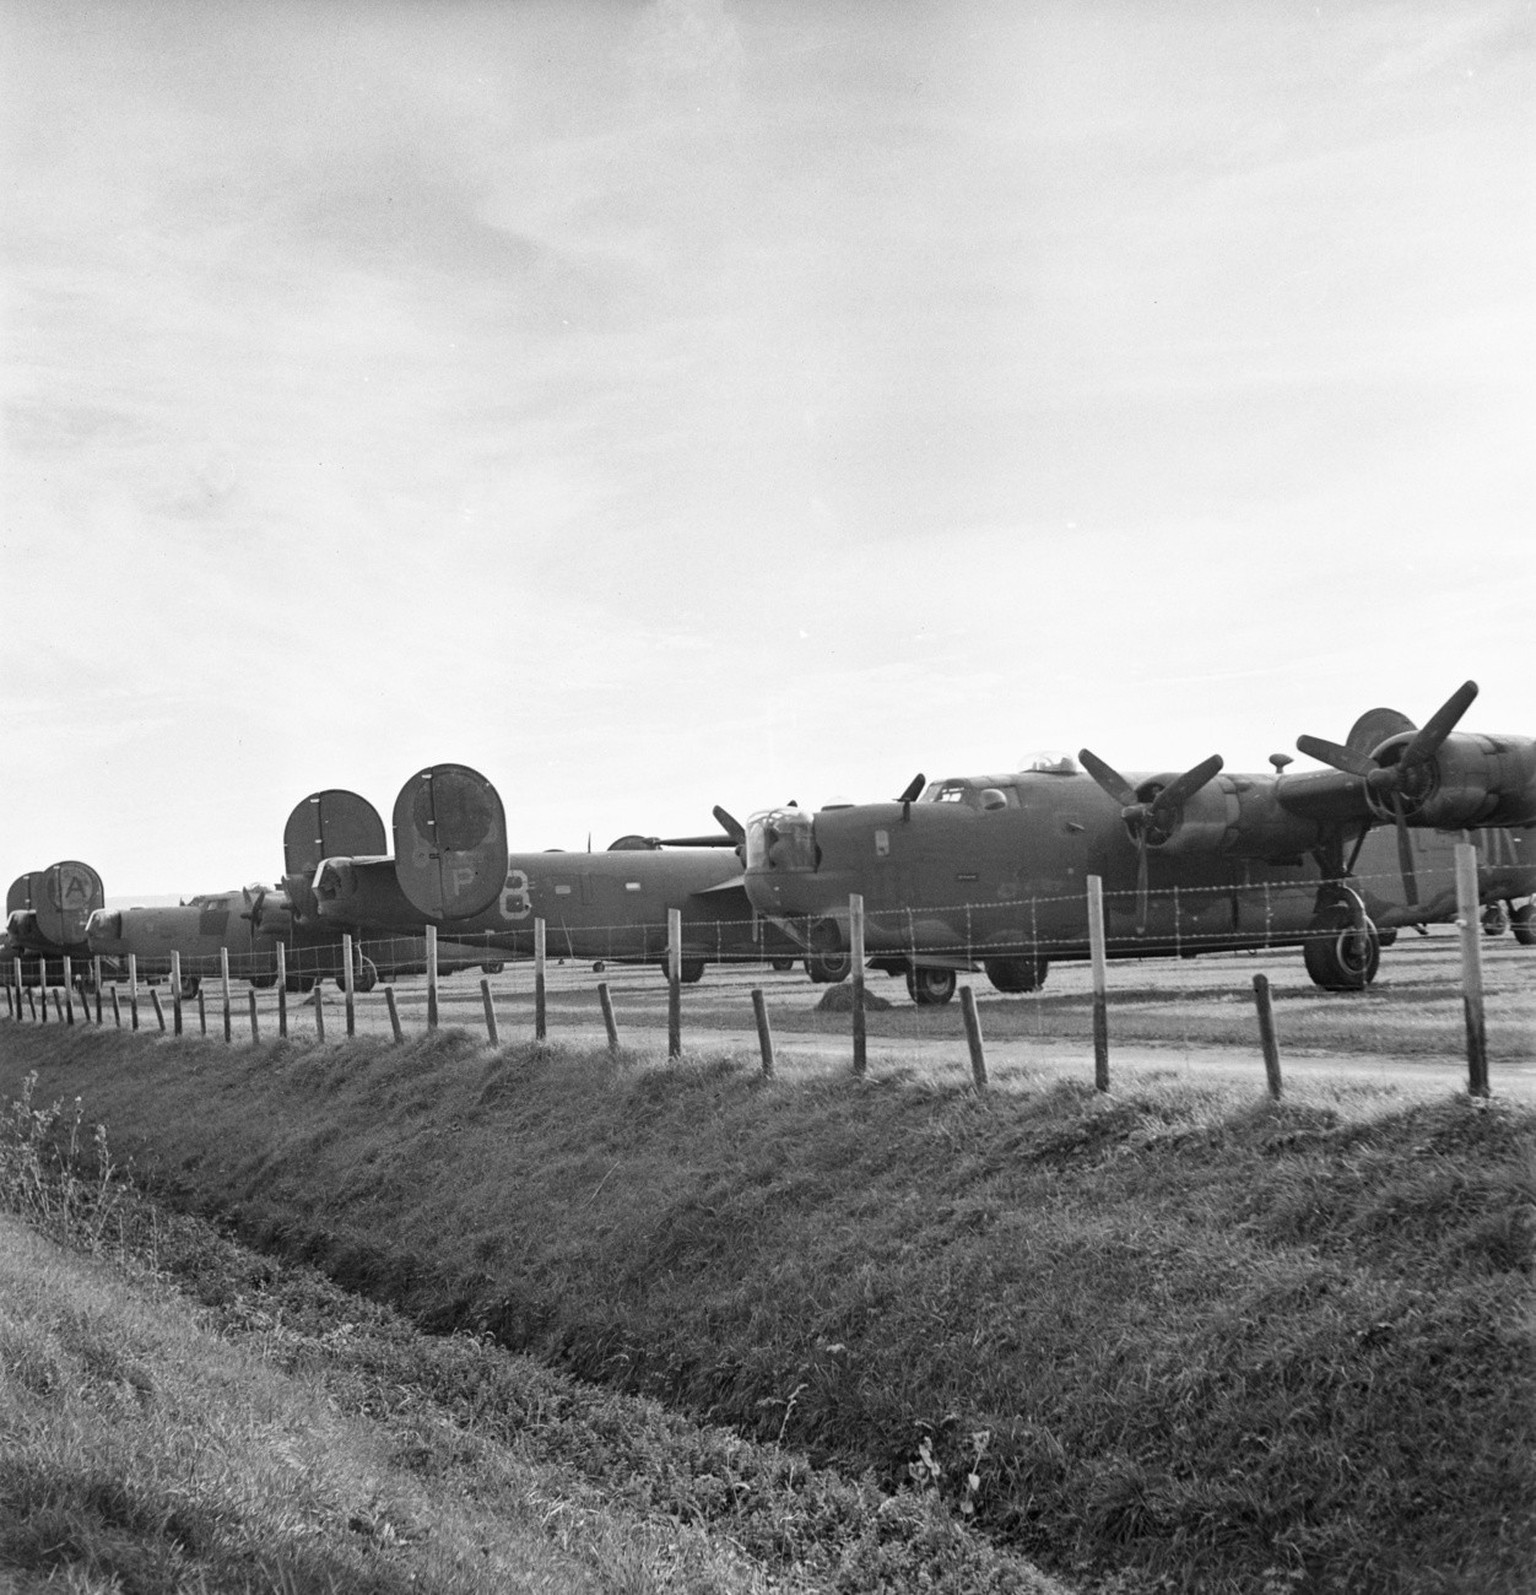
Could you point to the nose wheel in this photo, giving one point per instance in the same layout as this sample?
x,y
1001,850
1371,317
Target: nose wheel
x,y
1339,954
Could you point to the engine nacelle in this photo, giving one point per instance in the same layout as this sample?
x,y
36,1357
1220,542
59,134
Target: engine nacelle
x,y
1472,780
1233,814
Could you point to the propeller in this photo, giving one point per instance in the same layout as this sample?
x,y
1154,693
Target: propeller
x,y
279,912
1405,780
1151,820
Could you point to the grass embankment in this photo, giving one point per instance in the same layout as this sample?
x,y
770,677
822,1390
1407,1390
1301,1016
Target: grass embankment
x,y
1184,1334
178,1414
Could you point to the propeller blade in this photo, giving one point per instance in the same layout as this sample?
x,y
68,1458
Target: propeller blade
x,y
1110,780
1427,740
1405,853
910,793
728,823
1339,758
1178,792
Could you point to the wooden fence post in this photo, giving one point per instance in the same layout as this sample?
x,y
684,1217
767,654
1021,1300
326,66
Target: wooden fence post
x,y
490,1011
973,1037
1469,919
1267,1040
133,989
764,1034
154,1002
176,993
319,1010
856,979
540,955
282,991
1096,949
394,1014
348,985
674,983
58,1005
605,998
229,1032
96,975
431,977
250,996
117,1012
202,1011
69,992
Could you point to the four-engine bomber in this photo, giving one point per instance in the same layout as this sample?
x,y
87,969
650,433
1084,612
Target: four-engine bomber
x,y
990,871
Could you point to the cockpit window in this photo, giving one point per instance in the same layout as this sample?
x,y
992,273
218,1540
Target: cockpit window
x,y
973,794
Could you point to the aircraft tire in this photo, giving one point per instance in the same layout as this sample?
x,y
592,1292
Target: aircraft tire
x,y
300,983
692,971
496,969
189,987
781,964
1337,955
930,987
367,976
1014,975
829,969
1523,922
263,982
1495,920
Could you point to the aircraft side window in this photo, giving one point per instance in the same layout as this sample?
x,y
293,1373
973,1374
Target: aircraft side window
x,y
993,798
951,792
882,844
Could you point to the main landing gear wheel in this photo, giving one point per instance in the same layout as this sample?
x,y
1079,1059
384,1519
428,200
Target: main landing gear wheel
x,y
189,986
1013,975
781,964
828,961
1339,955
930,987
1523,922
1495,920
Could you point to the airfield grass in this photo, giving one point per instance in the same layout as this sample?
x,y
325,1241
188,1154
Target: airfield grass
x,y
1174,1338
1412,1010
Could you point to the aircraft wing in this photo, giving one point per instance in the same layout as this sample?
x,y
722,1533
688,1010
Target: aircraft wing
x,y
737,883
1325,795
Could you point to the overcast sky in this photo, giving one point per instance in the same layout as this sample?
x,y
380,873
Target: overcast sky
x,y
730,401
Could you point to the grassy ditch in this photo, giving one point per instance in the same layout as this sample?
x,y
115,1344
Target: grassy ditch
x,y
1181,1338
178,1414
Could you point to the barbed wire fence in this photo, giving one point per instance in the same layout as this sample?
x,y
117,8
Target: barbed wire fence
x,y
284,982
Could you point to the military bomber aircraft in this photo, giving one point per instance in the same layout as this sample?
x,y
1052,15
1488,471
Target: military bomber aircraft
x,y
989,871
